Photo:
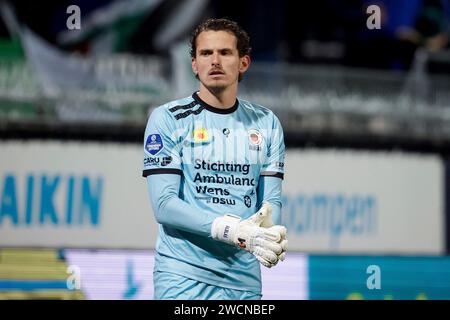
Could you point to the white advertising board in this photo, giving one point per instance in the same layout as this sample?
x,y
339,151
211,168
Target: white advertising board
x,y
67,194
364,202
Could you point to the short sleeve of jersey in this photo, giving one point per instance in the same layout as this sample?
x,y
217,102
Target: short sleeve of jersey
x,y
274,165
161,150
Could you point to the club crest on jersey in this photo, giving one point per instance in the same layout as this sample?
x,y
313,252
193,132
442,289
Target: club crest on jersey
x,y
255,139
200,135
154,144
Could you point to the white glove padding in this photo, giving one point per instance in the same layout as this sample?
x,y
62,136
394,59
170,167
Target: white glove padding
x,y
264,243
268,223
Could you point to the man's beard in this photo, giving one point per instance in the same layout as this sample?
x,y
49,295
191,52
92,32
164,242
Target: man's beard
x,y
215,88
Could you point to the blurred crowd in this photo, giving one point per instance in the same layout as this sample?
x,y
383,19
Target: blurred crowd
x,y
320,31
333,31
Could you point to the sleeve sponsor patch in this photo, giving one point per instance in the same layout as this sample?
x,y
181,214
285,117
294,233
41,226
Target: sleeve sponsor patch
x,y
154,144
157,161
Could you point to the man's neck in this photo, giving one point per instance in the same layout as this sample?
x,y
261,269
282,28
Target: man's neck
x,y
222,100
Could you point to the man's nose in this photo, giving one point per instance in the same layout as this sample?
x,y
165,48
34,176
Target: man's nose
x,y
215,59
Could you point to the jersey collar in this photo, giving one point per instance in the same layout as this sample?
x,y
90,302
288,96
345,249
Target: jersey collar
x,y
214,109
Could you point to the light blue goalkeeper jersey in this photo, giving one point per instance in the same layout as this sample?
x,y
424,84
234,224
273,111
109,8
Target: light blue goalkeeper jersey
x,y
201,163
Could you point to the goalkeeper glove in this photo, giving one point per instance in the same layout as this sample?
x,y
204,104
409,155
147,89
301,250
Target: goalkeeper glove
x,y
268,223
267,244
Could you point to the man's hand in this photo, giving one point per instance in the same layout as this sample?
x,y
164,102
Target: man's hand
x,y
257,234
268,223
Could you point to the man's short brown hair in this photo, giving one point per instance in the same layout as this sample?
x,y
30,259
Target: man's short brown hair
x,y
243,40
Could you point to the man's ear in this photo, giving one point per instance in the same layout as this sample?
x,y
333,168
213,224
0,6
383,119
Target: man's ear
x,y
194,66
245,63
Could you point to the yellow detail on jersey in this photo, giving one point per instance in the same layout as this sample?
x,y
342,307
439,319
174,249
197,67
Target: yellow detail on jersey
x,y
200,135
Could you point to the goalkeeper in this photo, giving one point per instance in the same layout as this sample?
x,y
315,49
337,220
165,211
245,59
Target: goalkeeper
x,y
214,166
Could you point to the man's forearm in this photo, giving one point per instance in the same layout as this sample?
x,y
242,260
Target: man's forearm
x,y
172,211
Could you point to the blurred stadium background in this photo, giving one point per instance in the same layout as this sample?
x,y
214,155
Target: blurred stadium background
x,y
366,114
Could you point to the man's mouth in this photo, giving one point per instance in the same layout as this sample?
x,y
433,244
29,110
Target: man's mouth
x,y
216,73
